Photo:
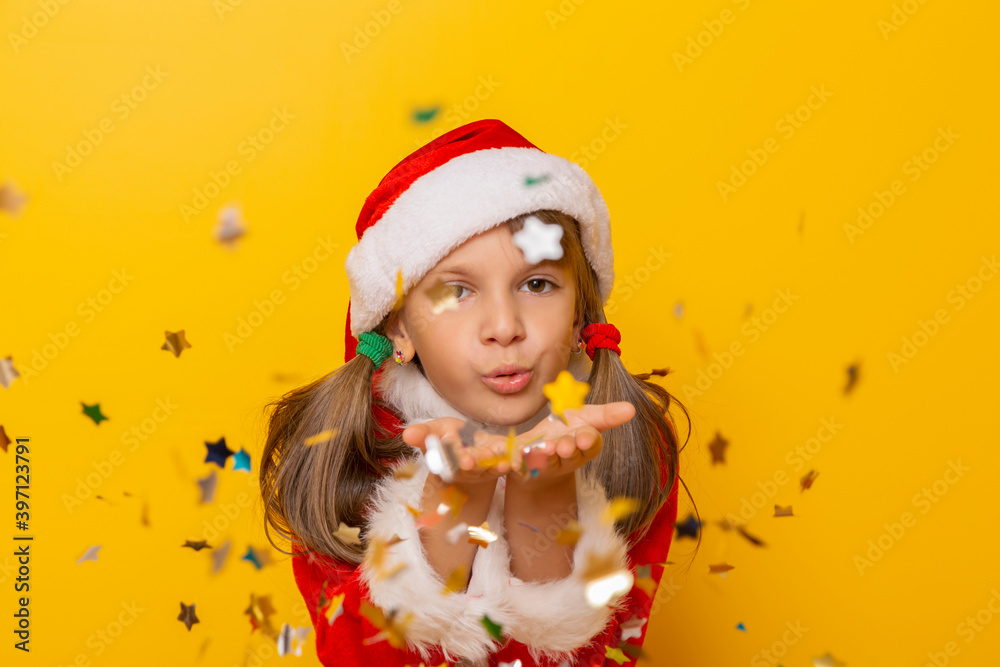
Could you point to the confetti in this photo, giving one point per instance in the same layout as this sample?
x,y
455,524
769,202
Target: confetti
x,y
399,291
284,640
347,534
11,199
827,661
633,628
456,580
175,342
741,627
482,535
720,569
241,460
606,580
529,180
718,448
93,411
322,436
807,480
569,535
493,628
7,372
229,226
260,611
852,378
258,557
455,533
528,525
207,486
566,393
516,663
468,434
217,452
392,629
453,499
443,297
644,579
406,471
425,115
4,439
538,240
197,545
220,555
617,509
438,462
187,616
679,309
335,609
615,654
89,554
729,524
783,511
688,528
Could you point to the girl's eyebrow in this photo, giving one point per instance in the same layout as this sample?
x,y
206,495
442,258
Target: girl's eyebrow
x,y
467,270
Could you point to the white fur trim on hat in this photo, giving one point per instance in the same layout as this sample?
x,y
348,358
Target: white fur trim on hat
x,y
465,196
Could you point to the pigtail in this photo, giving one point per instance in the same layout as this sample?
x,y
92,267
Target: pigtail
x,y
322,458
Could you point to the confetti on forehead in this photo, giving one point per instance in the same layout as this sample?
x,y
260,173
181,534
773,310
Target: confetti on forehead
x,y
538,240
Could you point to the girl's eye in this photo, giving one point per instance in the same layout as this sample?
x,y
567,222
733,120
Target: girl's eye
x,y
540,283
543,282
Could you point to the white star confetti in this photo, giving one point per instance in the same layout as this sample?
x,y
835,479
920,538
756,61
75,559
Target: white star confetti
x,y
538,240
632,628
229,225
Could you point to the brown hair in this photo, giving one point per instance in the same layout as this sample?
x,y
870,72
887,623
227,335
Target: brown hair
x,y
308,491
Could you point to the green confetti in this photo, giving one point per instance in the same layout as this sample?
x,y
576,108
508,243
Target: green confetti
x,y
492,628
93,411
529,181
425,115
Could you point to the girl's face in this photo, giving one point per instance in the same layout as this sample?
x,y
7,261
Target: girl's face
x,y
509,313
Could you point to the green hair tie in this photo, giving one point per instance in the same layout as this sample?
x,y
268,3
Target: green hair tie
x,y
375,346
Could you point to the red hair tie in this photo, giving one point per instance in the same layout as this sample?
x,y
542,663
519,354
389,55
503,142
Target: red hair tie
x,y
601,335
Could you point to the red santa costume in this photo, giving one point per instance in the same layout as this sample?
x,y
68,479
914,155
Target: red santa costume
x,y
463,183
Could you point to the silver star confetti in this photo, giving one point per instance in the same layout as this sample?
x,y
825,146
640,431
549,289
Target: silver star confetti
x,y
539,241
229,225
90,554
207,485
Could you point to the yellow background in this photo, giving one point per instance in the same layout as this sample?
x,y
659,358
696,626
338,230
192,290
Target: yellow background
x,y
560,74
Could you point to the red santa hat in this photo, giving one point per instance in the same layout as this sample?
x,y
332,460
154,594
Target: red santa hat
x,y
463,183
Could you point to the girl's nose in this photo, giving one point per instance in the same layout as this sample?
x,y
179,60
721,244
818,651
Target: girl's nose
x,y
502,321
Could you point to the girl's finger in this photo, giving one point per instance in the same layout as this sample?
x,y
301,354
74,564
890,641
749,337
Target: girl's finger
x,y
586,437
566,446
415,435
606,415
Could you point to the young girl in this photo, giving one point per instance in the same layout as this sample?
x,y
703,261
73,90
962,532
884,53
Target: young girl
x,y
451,506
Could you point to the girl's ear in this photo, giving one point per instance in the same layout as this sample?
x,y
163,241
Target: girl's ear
x,y
395,330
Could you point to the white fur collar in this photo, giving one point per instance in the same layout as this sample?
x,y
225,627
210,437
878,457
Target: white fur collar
x,y
413,396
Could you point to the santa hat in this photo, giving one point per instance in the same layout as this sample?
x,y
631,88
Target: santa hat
x,y
465,182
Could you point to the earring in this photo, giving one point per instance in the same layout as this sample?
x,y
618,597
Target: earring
x,y
399,357
579,346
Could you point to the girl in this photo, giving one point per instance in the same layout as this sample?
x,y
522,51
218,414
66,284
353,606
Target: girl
x,y
441,509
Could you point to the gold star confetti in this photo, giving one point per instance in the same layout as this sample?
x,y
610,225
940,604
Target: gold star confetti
x,y
347,534
618,508
456,580
807,480
718,448
783,511
569,535
827,661
187,616
406,471
615,654
482,535
7,372
453,499
491,461
720,569
176,342
11,199
606,580
335,609
392,629
260,612
196,545
566,393
322,436
443,297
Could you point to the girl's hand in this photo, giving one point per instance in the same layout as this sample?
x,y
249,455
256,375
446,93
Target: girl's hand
x,y
487,447
571,445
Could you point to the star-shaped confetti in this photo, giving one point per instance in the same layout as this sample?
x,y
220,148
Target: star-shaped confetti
x,y
220,555
258,557
11,199
718,448
217,452
197,545
606,579
425,115
207,486
482,535
615,654
783,511
644,579
334,609
688,528
566,393
456,580
495,629
569,535
4,439
322,436
741,627
632,628
347,534
260,611
291,639
720,569
532,180
617,509
187,616
93,411
538,240
175,342
229,226
827,661
393,629
7,372
807,480
241,460
443,297
89,554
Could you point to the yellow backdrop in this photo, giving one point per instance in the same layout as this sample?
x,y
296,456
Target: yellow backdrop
x,y
796,190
